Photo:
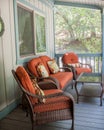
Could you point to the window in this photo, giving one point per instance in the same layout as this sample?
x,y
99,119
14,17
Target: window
x,y
40,34
25,28
31,32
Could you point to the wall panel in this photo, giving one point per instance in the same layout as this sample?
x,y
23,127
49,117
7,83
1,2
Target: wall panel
x,y
2,82
9,91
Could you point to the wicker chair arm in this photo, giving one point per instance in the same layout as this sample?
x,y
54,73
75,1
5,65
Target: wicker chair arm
x,y
29,94
49,79
82,64
73,70
47,84
70,96
66,69
53,95
49,96
40,96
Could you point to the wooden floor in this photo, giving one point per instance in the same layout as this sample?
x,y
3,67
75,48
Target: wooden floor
x,y
89,115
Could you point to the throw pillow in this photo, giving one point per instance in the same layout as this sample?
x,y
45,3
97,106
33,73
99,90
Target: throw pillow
x,y
38,91
42,70
53,66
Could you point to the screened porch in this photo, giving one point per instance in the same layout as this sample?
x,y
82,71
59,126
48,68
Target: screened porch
x,y
37,27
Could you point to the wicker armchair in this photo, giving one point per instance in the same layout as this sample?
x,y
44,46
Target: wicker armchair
x,y
71,60
58,105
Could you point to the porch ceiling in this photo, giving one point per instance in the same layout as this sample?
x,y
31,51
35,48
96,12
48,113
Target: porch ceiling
x,y
88,2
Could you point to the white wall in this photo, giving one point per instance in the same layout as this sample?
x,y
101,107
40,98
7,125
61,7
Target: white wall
x,y
9,91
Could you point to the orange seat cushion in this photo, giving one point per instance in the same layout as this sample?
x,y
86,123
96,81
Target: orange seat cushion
x,y
32,65
70,58
80,70
63,78
55,103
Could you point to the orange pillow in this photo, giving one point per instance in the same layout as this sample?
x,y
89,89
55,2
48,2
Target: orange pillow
x,y
42,71
53,66
26,82
70,58
25,79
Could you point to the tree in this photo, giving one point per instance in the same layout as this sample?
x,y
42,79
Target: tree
x,y
78,27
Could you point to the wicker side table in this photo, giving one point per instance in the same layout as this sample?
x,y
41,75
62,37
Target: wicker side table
x,y
91,86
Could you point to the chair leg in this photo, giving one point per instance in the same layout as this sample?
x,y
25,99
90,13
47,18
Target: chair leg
x,y
32,126
72,127
26,113
73,84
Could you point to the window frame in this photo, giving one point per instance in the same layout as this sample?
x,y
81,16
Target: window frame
x,y
33,30
28,7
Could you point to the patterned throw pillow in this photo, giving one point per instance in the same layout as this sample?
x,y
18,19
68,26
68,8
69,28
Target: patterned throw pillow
x,y
77,65
42,70
39,91
53,66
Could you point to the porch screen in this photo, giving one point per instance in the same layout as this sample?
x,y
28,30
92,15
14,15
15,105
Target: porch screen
x,y
77,29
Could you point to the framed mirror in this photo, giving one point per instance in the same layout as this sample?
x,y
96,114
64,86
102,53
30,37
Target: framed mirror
x,y
1,26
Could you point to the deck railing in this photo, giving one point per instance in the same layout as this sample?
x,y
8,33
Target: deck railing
x,y
95,60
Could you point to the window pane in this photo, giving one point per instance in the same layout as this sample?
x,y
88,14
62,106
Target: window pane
x,y
25,27
40,34
77,29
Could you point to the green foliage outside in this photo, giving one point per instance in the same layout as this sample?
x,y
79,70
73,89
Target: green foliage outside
x,y
77,29
40,34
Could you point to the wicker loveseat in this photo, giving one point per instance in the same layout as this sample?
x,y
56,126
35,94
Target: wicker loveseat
x,y
63,77
57,104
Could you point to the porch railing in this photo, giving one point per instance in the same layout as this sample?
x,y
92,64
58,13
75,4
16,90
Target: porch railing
x,y
95,60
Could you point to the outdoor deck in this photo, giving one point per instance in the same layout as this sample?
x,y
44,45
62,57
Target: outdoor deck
x,y
89,115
